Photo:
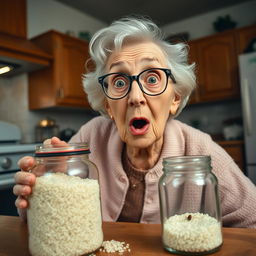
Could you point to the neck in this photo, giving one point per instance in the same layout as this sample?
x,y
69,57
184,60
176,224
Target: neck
x,y
144,158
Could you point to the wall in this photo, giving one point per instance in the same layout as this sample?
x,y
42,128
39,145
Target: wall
x,y
209,117
49,14
14,109
199,26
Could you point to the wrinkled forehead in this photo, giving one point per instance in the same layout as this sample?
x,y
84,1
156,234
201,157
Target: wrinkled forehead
x,y
135,52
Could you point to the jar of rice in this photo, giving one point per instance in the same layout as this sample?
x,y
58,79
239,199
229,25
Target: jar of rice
x,y
64,214
189,204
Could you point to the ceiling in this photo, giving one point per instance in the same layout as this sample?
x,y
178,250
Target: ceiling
x,y
160,11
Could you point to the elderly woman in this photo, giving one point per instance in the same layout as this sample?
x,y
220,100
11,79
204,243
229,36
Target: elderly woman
x,y
139,85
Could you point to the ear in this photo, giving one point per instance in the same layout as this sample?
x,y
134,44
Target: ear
x,y
108,109
175,104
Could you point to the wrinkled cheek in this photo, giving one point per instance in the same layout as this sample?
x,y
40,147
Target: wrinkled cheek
x,y
124,136
156,131
123,133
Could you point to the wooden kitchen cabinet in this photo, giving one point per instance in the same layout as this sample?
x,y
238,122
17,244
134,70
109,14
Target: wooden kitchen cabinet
x,y
61,83
194,97
244,37
216,67
235,148
216,59
14,17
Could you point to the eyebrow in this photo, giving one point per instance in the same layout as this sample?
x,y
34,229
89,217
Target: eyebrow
x,y
118,63
121,63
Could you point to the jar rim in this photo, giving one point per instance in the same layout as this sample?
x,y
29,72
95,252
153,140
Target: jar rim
x,y
186,159
48,150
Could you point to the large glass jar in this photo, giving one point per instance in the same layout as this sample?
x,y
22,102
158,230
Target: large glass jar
x,y
64,214
189,204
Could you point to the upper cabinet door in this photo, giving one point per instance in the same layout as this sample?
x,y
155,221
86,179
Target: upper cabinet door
x,y
70,67
61,83
216,59
217,68
14,18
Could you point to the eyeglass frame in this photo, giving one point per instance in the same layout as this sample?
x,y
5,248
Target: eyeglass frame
x,y
167,71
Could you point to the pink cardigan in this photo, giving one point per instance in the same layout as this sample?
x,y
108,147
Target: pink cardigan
x,y
237,192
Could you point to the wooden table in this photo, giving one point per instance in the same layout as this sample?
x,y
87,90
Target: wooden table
x,y
144,239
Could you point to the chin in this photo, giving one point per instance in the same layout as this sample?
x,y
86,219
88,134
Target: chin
x,y
140,142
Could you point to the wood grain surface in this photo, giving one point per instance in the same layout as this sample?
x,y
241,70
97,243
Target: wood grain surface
x,y
144,239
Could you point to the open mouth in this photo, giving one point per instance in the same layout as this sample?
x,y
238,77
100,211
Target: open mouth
x,y
139,126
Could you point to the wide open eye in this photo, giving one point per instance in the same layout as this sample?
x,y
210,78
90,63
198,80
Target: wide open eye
x,y
152,79
119,83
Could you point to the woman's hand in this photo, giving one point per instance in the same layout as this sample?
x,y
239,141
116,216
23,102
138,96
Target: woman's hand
x,y
24,179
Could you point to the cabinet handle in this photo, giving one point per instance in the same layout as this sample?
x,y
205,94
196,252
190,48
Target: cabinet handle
x,y
60,93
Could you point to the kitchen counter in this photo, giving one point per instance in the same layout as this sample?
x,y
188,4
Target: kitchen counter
x,y
144,239
230,142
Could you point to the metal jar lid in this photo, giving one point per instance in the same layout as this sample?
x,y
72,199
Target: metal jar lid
x,y
62,150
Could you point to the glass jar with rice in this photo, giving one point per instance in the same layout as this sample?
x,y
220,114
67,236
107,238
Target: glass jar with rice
x,y
64,214
190,208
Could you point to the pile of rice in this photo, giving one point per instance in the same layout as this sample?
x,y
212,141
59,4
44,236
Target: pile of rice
x,y
115,246
64,216
192,232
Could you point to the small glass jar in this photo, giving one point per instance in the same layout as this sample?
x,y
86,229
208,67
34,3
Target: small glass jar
x,y
64,213
190,207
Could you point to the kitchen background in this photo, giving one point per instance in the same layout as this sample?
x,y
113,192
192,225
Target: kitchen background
x,y
48,14
53,37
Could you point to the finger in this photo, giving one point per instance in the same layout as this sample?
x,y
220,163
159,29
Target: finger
x,y
25,178
26,163
22,190
56,140
21,202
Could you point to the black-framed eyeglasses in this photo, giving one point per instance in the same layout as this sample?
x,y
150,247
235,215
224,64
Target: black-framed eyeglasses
x,y
151,81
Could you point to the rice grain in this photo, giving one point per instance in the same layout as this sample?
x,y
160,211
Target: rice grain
x,y
64,216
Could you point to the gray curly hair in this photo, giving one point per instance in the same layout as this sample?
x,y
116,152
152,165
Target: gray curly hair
x,y
111,38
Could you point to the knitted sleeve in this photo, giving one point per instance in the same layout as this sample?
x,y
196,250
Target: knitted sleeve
x,y
237,192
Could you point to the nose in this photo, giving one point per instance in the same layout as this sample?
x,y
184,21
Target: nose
x,y
136,97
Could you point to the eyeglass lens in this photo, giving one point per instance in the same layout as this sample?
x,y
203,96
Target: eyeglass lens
x,y
152,81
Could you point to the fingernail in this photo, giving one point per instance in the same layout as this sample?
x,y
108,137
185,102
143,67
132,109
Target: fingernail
x,y
27,163
24,192
28,179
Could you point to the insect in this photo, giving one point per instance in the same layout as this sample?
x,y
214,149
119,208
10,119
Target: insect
x,y
189,217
